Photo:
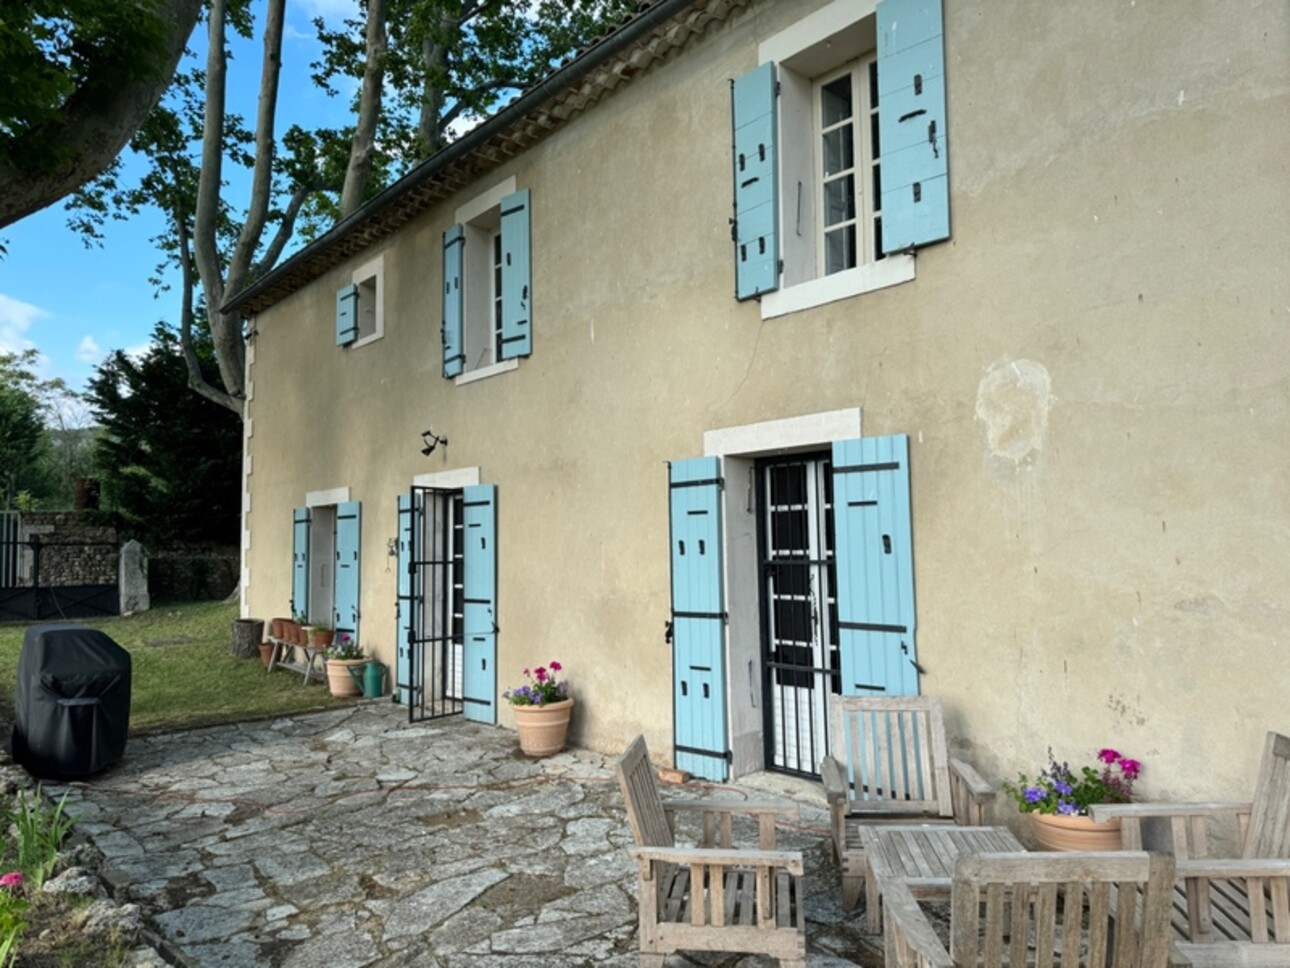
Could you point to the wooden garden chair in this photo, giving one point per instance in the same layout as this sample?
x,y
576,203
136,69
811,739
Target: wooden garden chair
x,y
889,765
713,897
1092,910
1227,911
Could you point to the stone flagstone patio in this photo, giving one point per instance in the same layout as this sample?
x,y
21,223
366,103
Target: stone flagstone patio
x,y
351,838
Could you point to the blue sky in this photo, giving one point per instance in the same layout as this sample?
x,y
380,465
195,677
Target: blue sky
x,y
75,304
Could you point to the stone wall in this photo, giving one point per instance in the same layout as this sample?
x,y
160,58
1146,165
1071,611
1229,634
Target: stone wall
x,y
75,549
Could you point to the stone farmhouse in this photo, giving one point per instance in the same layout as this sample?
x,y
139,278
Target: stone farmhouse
x,y
771,350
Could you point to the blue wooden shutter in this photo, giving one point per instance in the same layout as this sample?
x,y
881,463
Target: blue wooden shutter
x,y
403,666
756,174
454,306
346,600
873,544
517,277
300,562
346,315
698,618
911,124
479,554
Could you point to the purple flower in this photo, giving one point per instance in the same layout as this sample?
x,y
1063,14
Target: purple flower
x,y
1066,807
1033,794
1063,788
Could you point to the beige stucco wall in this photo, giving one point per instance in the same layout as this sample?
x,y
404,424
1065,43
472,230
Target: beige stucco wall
x,y
1092,372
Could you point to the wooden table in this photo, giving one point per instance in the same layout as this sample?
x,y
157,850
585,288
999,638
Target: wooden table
x,y
923,857
279,657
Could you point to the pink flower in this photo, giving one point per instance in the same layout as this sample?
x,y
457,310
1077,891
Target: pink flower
x,y
540,674
12,879
555,666
527,673
1131,768
1108,755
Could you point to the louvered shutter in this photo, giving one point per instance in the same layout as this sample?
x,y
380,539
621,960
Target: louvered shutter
x,y
453,334
346,579
517,277
911,124
873,545
405,604
698,618
300,518
756,176
346,315
479,563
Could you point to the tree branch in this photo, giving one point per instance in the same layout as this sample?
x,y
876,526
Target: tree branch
x,y
494,84
248,239
362,148
196,379
97,121
285,230
205,249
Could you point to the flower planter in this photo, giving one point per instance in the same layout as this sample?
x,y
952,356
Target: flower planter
x,y
1062,832
341,681
266,652
543,729
323,639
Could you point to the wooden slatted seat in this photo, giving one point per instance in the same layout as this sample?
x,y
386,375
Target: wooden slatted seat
x,y
1227,911
1092,910
713,897
890,765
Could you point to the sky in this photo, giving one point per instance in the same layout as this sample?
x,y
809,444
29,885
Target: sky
x,y
75,305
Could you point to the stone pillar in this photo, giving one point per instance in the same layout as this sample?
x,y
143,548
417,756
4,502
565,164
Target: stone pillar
x,y
134,578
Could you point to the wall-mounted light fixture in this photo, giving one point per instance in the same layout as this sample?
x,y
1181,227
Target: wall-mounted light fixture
x,y
431,441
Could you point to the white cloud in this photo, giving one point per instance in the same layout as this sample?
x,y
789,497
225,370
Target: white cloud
x,y
138,351
88,351
331,10
16,318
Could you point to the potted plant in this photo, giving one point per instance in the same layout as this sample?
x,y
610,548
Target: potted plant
x,y
343,656
1059,797
298,634
322,635
542,710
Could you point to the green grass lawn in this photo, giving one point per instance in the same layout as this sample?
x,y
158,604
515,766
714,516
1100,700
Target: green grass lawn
x,y
183,674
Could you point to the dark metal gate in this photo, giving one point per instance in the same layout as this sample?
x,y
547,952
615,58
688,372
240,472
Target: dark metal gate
x,y
436,626
26,593
799,610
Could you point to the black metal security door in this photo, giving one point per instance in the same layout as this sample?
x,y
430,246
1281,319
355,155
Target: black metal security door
x,y
26,590
435,633
799,610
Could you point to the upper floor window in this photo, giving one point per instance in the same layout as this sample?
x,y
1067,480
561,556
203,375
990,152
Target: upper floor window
x,y
849,194
840,159
487,280
360,306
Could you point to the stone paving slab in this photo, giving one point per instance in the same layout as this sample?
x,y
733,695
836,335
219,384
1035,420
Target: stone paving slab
x,y
350,838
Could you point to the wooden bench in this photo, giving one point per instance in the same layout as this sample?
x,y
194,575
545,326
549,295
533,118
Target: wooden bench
x,y
1095,910
1227,911
890,765
714,897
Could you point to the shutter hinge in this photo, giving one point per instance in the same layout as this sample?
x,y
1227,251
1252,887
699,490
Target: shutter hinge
x,y
777,88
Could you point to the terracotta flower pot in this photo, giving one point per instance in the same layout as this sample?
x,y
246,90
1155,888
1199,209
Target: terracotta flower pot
x,y
266,652
341,681
1061,832
323,639
275,627
543,729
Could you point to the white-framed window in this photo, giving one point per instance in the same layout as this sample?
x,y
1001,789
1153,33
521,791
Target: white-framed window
x,y
840,154
360,306
849,192
487,282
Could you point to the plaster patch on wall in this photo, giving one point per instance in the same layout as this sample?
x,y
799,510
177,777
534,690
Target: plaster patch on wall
x,y
1013,401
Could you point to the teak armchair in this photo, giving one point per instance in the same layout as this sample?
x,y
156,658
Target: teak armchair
x,y
1227,911
714,897
1094,910
890,765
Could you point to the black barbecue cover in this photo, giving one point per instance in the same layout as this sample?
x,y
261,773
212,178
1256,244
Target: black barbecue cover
x,y
72,702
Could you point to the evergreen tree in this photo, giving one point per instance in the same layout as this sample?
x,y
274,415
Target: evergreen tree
x,y
170,460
